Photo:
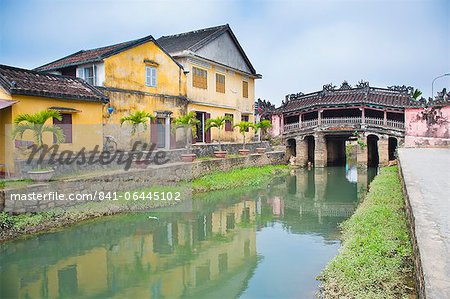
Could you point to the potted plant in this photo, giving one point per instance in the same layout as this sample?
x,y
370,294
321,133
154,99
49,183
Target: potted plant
x,y
244,126
36,123
137,120
263,126
219,123
189,123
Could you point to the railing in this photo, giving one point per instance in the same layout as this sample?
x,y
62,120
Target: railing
x,y
375,121
344,120
395,124
341,120
310,123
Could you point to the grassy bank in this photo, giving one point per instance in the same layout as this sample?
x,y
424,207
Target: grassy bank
x,y
14,226
375,260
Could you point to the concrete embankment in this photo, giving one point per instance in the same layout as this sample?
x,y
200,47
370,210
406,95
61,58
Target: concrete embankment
x,y
426,180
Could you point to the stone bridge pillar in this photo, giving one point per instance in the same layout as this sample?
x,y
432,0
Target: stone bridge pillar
x,y
383,150
301,151
320,150
361,154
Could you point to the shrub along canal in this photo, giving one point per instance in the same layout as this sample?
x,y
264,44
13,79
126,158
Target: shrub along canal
x,y
265,241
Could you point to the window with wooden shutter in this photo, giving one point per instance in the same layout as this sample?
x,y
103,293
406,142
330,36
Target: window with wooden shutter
x,y
220,83
229,123
150,76
66,126
245,89
199,78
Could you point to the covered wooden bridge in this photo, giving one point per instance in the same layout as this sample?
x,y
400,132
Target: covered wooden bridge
x,y
317,126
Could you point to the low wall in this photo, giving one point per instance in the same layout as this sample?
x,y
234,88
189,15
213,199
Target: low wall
x,y
78,166
119,181
420,281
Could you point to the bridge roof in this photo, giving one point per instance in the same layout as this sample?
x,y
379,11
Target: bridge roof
x,y
349,96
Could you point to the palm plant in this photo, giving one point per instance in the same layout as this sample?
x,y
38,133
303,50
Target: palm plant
x,y
244,126
36,124
219,123
416,94
189,122
263,126
136,119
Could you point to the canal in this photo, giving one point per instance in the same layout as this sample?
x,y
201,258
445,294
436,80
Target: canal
x,y
270,241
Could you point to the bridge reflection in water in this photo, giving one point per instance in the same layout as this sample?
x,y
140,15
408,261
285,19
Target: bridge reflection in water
x,y
218,250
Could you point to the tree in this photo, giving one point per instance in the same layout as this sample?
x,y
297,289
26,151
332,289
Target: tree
x,y
189,122
244,126
416,94
263,126
137,119
36,124
219,123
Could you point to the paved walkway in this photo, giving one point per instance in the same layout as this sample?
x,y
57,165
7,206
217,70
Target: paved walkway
x,y
427,178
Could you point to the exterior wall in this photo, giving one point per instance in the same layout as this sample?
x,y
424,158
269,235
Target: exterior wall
x,y
6,142
227,136
427,131
86,125
216,103
126,70
224,50
276,125
126,88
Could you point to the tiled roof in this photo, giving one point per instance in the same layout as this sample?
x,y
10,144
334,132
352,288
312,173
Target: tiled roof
x,y
26,82
365,95
93,55
194,40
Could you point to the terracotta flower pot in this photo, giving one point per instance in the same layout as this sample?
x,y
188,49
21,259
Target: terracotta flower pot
x,y
260,150
219,154
244,152
41,175
188,157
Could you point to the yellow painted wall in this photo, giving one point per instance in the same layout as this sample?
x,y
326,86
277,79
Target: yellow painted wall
x,y
87,129
126,70
230,136
232,97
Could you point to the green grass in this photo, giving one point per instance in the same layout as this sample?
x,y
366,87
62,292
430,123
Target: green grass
x,y
252,176
375,260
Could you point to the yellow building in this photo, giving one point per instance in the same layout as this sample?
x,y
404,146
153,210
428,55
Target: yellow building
x,y
135,75
220,78
24,91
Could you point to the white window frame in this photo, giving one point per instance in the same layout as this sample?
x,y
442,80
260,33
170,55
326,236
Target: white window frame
x,y
151,76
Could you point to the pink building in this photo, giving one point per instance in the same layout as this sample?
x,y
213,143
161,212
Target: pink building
x,y
428,127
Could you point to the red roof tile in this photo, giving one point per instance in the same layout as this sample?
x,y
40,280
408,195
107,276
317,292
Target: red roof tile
x,y
26,82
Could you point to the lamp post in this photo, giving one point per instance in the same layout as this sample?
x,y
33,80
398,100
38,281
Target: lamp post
x,y
432,83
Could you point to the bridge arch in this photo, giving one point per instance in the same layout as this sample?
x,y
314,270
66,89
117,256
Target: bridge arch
x,y
373,158
311,144
392,148
291,147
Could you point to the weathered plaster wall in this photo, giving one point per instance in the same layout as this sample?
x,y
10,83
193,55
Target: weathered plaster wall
x,y
427,127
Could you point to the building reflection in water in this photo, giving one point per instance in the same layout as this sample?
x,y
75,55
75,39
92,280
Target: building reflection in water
x,y
210,250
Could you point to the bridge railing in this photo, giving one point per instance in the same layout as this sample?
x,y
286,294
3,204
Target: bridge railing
x,y
345,121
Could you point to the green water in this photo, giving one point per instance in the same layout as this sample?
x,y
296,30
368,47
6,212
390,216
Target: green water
x,y
268,242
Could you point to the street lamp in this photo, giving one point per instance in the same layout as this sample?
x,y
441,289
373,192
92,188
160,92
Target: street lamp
x,y
432,83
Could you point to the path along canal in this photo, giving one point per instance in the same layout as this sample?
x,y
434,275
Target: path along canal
x,y
271,241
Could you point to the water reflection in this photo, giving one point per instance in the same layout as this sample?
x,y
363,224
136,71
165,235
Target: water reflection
x,y
231,245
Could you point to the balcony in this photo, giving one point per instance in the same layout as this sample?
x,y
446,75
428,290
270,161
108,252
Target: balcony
x,y
343,121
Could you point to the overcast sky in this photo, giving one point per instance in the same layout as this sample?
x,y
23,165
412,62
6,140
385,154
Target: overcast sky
x,y
295,45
